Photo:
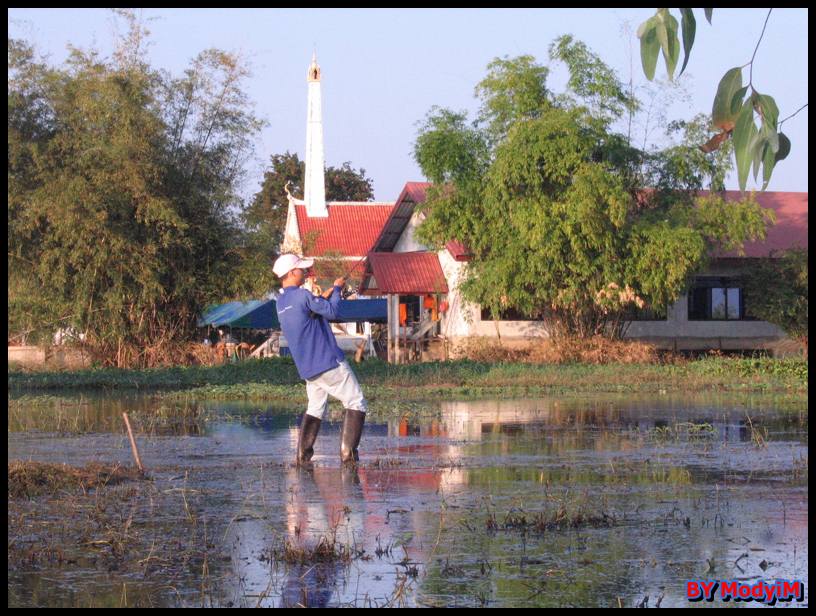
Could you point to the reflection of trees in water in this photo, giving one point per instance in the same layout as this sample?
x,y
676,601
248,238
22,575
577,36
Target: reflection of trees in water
x,y
95,414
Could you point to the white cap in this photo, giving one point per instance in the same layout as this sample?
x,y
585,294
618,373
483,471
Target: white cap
x,y
286,263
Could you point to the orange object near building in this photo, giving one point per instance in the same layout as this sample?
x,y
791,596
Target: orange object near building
x,y
431,301
403,314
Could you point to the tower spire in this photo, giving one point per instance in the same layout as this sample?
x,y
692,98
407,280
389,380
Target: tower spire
x,y
314,185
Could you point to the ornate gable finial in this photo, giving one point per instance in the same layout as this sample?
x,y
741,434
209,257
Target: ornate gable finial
x,y
314,69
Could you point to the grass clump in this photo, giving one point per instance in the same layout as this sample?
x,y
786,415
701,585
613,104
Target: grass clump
x,y
327,550
28,479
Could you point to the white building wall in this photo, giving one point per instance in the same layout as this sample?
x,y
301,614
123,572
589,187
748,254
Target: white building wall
x,y
407,242
463,318
291,235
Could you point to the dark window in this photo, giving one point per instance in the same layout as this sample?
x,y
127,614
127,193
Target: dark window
x,y
699,304
715,299
645,314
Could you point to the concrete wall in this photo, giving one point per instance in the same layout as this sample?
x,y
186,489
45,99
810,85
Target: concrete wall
x,y
52,357
679,333
26,355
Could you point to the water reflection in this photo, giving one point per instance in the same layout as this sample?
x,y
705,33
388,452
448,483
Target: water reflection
x,y
477,420
691,485
336,523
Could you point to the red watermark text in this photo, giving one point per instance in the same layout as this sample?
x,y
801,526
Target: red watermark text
x,y
760,591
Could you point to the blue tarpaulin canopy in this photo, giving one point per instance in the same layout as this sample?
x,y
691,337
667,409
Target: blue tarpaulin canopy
x,y
254,314
360,310
261,314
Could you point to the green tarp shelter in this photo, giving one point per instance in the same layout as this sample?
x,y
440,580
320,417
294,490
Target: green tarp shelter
x,y
255,314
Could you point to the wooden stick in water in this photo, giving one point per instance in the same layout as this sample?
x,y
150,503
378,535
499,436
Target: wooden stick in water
x,y
133,445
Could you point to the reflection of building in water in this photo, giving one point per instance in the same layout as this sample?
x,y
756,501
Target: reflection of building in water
x,y
475,420
472,420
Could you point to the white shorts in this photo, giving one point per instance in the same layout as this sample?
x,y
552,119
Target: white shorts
x,y
340,383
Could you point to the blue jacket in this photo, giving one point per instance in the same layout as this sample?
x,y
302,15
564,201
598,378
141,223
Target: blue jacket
x,y
303,321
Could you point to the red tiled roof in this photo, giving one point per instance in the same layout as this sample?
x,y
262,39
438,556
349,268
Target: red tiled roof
x,y
350,228
416,191
405,273
791,228
459,251
413,193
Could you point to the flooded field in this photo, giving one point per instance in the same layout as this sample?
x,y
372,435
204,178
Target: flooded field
x,y
579,501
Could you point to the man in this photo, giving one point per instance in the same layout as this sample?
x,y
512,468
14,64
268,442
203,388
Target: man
x,y
303,318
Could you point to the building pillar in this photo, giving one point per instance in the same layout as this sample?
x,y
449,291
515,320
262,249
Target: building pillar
x,y
393,328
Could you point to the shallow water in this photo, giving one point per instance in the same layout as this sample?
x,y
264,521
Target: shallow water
x,y
587,501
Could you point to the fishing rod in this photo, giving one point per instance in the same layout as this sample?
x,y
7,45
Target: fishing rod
x,y
344,294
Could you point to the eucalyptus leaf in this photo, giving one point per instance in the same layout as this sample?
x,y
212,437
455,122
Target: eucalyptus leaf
x,y
722,115
689,25
663,36
649,49
771,136
736,102
744,135
671,52
768,162
758,148
784,147
708,14
769,110
646,25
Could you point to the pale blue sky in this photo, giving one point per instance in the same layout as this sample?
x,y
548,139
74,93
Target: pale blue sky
x,y
383,69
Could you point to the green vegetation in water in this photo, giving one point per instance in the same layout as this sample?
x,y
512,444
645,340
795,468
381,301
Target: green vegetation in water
x,y
277,378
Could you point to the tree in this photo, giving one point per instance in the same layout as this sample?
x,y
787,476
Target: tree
x,y
122,195
685,166
732,113
777,292
553,206
267,212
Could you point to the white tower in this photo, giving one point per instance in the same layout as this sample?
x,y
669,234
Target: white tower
x,y
314,185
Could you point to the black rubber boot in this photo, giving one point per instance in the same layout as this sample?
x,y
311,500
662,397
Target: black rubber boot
x,y
350,436
309,427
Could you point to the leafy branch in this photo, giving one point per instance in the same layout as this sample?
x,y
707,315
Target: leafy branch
x,y
734,108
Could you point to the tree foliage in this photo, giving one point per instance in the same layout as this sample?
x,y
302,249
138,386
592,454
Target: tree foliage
x,y
267,212
555,206
777,292
122,194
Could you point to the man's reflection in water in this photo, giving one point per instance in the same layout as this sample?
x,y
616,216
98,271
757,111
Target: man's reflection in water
x,y
324,520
